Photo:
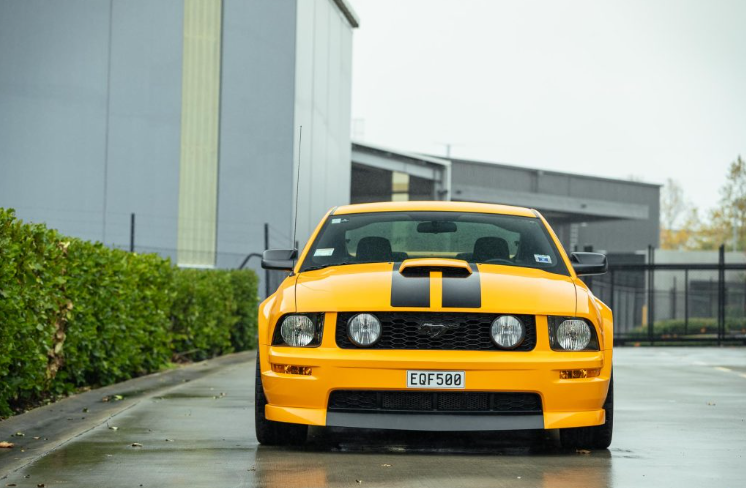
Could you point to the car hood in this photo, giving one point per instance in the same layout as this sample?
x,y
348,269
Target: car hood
x,y
490,288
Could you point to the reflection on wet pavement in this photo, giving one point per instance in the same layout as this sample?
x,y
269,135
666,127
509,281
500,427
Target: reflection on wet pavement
x,y
339,457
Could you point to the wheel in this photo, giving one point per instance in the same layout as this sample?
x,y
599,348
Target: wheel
x,y
596,437
269,432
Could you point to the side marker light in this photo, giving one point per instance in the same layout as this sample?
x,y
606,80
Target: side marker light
x,y
291,369
571,374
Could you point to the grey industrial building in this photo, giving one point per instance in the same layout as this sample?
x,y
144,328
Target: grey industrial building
x,y
187,114
587,212
183,112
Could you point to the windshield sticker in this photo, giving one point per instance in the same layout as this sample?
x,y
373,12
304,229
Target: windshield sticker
x,y
543,258
339,220
324,252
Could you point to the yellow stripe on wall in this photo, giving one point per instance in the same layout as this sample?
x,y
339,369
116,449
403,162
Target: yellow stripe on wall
x,y
200,111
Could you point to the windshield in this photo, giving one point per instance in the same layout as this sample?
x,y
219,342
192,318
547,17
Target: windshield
x,y
396,236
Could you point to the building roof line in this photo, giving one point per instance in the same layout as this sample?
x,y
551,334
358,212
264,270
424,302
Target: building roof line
x,y
554,172
349,13
402,154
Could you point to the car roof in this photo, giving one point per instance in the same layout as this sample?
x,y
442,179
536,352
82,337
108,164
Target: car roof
x,y
435,206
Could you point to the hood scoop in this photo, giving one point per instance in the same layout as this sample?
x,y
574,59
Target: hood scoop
x,y
423,266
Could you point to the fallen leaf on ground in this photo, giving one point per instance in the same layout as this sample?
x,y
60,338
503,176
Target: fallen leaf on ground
x,y
11,484
20,434
85,410
36,438
113,428
385,465
169,440
582,451
118,397
712,404
40,485
136,444
359,482
6,445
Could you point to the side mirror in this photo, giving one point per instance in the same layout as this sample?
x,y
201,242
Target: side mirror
x,y
282,259
589,263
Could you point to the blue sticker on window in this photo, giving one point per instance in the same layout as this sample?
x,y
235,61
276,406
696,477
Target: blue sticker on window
x,y
543,258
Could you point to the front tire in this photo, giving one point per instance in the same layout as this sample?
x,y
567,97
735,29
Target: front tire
x,y
596,437
269,432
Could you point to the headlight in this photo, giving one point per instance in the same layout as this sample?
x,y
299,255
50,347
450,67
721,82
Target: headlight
x,y
570,334
298,331
508,332
364,329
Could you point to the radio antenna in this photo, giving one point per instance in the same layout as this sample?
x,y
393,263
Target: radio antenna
x,y
297,186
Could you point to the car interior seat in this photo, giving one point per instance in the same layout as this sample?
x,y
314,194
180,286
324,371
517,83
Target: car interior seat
x,y
487,248
374,249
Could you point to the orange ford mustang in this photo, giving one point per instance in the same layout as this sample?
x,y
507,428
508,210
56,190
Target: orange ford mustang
x,y
437,316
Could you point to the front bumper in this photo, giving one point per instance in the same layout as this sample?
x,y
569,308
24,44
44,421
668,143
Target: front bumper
x,y
566,403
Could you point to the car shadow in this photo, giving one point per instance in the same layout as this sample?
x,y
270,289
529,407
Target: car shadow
x,y
342,457
335,439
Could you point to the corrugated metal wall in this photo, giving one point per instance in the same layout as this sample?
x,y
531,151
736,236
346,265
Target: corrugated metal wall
x,y
323,81
84,148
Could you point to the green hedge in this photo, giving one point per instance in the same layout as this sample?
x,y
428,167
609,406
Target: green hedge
x,y
75,313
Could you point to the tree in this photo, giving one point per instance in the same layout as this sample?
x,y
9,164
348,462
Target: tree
x,y
678,218
727,222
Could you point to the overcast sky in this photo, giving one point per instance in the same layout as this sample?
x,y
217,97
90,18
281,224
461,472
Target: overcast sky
x,y
644,88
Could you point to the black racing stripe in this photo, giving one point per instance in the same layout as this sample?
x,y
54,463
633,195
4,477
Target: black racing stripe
x,y
462,291
412,290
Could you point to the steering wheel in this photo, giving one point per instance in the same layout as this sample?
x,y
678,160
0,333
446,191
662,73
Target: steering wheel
x,y
498,261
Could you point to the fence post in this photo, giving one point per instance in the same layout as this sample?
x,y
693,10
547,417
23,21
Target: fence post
x,y
721,293
132,232
611,277
266,271
617,322
651,293
686,301
673,299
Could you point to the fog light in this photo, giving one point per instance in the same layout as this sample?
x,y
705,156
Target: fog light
x,y
571,374
291,369
507,332
364,329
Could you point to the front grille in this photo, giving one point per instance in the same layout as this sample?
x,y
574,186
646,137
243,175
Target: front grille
x,y
469,331
435,402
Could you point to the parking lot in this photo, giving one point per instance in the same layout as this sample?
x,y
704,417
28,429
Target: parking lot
x,y
680,421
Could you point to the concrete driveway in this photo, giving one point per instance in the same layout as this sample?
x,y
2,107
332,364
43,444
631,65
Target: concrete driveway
x,y
680,422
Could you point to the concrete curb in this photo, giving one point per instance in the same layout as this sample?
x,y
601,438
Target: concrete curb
x,y
51,426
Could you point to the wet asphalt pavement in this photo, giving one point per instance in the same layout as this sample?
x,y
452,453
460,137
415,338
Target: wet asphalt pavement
x,y
680,422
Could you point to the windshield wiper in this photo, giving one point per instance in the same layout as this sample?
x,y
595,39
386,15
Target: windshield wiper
x,y
322,266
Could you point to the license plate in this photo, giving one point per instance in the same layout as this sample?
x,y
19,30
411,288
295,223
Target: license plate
x,y
435,379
